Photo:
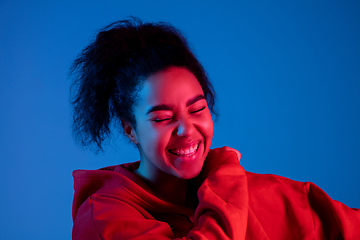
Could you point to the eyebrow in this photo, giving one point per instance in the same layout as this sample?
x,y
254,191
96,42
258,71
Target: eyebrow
x,y
195,99
164,107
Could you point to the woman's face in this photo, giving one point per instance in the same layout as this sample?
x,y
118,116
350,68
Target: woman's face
x,y
174,127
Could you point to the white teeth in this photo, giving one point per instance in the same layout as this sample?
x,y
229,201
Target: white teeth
x,y
185,152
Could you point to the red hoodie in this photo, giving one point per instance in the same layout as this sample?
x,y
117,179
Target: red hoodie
x,y
114,203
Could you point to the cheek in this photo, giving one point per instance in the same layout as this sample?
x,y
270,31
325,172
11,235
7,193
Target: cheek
x,y
206,126
152,138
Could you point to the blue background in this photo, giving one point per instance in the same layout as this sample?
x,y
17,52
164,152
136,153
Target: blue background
x,y
286,74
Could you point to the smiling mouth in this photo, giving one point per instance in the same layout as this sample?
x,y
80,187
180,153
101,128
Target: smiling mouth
x,y
185,152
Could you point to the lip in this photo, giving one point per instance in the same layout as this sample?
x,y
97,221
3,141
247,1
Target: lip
x,y
183,144
185,158
185,151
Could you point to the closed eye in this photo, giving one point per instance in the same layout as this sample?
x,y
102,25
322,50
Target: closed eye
x,y
198,110
161,119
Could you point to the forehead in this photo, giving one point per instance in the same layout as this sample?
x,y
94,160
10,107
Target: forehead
x,y
172,86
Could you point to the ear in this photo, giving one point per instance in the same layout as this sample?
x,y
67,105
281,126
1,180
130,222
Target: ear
x,y
129,131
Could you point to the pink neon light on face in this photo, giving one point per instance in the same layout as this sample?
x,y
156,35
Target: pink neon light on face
x,y
174,127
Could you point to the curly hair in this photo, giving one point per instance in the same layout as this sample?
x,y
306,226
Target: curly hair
x,y
109,72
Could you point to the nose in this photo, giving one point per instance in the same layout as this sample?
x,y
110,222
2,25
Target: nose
x,y
185,128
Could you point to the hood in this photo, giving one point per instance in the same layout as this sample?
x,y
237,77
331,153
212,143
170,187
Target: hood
x,y
88,182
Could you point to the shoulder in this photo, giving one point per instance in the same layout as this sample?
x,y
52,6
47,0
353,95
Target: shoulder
x,y
260,181
269,191
279,185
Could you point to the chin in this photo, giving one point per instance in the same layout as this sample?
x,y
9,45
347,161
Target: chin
x,y
193,172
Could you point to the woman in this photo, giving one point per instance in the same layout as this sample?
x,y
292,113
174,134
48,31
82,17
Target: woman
x,y
144,79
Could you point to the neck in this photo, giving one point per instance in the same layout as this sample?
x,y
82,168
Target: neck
x,y
172,189
168,187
